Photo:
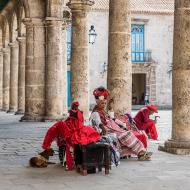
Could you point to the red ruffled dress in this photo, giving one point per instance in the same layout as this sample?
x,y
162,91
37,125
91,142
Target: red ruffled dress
x,y
72,131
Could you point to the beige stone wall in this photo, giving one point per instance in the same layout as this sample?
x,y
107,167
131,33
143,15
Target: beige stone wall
x,y
158,38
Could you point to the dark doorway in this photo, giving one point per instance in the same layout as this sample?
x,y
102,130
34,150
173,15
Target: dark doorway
x,y
138,89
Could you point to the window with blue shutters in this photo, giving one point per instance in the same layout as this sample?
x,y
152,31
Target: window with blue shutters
x,y
137,43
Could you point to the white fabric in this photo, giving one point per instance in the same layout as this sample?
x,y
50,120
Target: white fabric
x,y
95,121
111,114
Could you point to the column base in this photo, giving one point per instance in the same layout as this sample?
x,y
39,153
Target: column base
x,y
4,109
19,112
56,118
28,118
11,110
176,147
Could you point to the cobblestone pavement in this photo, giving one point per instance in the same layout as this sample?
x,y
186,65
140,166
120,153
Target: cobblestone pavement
x,y
21,140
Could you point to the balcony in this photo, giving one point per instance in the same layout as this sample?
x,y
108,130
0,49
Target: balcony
x,y
142,57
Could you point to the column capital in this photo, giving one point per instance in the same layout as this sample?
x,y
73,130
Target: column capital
x,y
6,50
79,5
53,21
13,44
21,39
33,22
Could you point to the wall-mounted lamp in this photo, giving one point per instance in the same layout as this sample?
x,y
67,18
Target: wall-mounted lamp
x,y
92,35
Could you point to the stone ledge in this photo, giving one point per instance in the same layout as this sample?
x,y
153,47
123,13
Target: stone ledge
x,y
177,151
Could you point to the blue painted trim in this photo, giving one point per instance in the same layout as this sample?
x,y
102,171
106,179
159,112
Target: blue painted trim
x,y
69,43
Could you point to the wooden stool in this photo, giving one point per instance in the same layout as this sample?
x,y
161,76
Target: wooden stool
x,y
92,156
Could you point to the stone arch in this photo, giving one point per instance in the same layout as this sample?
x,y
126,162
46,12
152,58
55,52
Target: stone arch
x,y
54,8
23,4
37,8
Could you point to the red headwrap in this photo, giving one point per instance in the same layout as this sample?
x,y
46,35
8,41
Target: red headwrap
x,y
153,108
101,92
74,104
74,108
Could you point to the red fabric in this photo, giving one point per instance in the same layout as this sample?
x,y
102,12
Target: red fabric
x,y
141,137
144,123
58,129
81,134
75,104
98,93
72,131
151,130
69,158
142,118
116,129
153,108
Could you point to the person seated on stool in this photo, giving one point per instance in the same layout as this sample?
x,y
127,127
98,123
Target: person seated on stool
x,y
144,123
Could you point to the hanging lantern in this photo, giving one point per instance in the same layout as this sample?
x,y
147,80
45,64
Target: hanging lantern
x,y
92,35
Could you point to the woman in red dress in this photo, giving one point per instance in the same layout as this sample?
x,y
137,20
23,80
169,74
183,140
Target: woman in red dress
x,y
143,121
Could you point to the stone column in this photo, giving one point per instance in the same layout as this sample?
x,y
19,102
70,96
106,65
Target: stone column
x,y
1,79
54,69
35,70
79,60
21,75
6,78
119,65
13,104
180,142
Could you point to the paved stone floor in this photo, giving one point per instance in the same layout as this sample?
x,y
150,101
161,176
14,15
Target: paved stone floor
x,y
20,141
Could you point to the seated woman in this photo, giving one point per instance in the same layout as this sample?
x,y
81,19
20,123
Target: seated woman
x,y
100,120
72,131
143,122
126,122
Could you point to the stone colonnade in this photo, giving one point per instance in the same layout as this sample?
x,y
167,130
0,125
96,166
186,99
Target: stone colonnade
x,y
33,70
34,77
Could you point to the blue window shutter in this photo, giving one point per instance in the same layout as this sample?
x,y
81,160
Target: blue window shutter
x,y
137,43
